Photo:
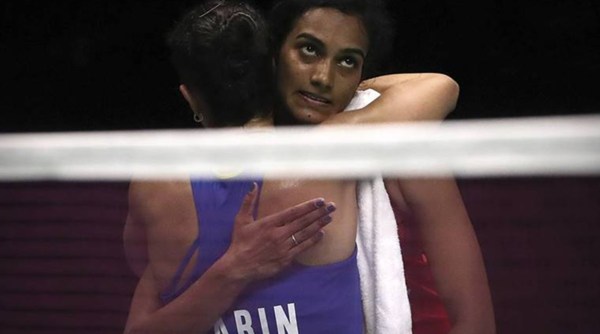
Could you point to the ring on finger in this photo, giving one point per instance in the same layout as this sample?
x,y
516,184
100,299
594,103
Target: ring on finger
x,y
296,243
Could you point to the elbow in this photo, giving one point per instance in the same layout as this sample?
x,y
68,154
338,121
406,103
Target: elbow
x,y
446,91
449,89
452,86
454,91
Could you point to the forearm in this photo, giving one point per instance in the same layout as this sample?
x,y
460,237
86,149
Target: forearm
x,y
450,244
404,98
194,311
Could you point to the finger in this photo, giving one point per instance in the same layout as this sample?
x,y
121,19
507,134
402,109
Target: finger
x,y
306,244
309,231
285,216
294,242
248,204
312,218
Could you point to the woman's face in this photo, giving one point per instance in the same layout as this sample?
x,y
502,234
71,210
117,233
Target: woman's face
x,y
320,64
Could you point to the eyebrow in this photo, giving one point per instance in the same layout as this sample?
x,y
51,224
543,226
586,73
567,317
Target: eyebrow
x,y
320,43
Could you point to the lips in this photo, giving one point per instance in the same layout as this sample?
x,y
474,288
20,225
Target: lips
x,y
314,98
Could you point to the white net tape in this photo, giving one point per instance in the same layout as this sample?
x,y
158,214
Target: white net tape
x,y
509,147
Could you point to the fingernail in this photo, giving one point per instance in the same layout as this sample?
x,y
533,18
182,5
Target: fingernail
x,y
254,186
320,202
326,219
331,207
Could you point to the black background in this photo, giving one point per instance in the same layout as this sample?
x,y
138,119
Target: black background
x,y
102,65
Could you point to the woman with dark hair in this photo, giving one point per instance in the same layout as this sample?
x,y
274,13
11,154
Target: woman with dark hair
x,y
317,61
183,289
312,65
286,288
220,52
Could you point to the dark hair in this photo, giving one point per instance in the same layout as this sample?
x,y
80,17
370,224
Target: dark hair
x,y
378,24
220,51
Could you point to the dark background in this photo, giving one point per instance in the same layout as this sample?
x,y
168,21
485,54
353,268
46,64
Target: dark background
x,y
99,65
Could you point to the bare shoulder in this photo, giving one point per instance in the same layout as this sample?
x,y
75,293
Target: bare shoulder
x,y
149,201
165,211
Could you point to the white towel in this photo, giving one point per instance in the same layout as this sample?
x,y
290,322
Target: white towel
x,y
383,287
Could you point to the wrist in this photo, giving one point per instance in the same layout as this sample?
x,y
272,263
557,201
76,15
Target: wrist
x,y
231,270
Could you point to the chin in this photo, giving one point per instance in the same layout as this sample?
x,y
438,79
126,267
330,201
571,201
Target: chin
x,y
309,116
310,119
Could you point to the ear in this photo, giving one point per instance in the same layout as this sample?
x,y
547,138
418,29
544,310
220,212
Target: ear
x,y
187,95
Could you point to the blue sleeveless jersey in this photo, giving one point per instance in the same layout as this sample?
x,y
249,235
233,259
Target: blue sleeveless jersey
x,y
301,299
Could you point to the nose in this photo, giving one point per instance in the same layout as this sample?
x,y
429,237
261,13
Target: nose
x,y
322,75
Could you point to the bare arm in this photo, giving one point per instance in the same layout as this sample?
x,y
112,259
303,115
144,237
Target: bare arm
x,y
259,249
452,249
405,97
135,245
444,225
194,311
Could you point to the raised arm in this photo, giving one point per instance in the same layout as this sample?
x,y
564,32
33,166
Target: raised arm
x,y
452,250
259,249
404,97
445,228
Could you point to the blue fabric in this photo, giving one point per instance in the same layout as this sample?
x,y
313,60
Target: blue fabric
x,y
301,299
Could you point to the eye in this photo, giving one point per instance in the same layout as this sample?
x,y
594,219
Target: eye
x,y
348,62
309,50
